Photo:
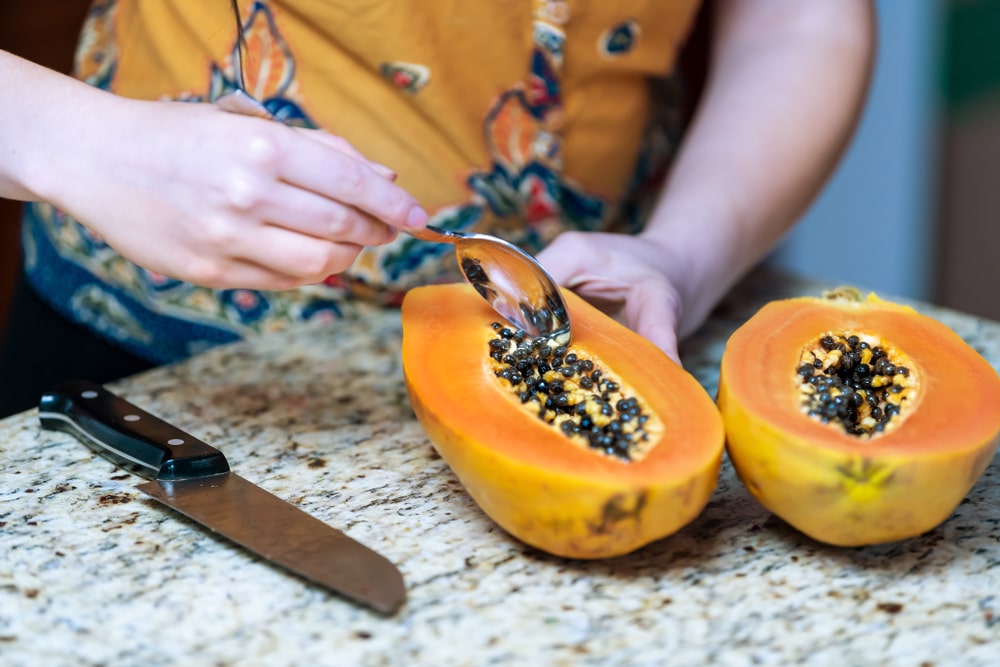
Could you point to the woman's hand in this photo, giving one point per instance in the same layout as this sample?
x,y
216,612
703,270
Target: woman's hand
x,y
196,193
626,277
227,201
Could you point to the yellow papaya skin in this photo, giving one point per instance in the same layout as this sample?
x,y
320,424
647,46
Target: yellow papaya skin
x,y
828,484
537,484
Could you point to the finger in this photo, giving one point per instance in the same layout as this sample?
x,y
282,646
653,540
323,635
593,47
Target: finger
x,y
333,141
305,212
306,259
332,173
235,274
342,144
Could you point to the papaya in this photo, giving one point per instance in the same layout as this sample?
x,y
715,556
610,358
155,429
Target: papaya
x,y
585,451
854,419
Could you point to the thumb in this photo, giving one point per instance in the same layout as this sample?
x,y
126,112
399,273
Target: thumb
x,y
654,313
565,258
344,146
573,262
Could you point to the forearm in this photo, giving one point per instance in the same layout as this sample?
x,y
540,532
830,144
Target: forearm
x,y
786,85
41,116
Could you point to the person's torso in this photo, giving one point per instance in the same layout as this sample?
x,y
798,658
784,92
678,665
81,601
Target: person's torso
x,y
517,117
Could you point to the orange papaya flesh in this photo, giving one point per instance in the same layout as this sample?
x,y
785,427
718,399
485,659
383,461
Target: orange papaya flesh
x,y
840,481
543,486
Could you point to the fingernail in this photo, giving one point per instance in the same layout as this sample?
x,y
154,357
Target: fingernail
x,y
384,171
417,218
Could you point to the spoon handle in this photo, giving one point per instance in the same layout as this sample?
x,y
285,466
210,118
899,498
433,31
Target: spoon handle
x,y
239,102
434,234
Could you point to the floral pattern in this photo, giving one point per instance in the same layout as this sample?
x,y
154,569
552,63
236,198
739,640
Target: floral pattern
x,y
619,39
408,77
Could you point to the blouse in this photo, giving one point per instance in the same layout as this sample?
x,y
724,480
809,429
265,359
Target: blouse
x,y
519,118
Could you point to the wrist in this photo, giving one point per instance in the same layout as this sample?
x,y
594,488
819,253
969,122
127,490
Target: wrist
x,y
49,132
700,255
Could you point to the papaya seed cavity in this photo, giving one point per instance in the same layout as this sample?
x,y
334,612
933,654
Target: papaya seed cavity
x,y
570,392
856,382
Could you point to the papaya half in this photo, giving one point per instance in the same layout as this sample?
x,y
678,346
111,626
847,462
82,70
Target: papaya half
x,y
856,420
587,451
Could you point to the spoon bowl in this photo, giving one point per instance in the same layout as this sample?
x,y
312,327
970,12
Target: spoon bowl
x,y
510,280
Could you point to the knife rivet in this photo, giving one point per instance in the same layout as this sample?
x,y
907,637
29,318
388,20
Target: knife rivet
x,y
131,418
175,441
88,394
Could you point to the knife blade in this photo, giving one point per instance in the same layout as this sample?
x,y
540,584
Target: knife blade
x,y
194,479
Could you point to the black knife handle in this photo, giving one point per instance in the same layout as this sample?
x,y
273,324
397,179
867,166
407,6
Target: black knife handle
x,y
127,435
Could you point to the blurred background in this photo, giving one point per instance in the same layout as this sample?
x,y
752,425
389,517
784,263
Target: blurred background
x,y
914,209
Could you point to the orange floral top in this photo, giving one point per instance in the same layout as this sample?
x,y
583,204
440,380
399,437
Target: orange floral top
x,y
521,118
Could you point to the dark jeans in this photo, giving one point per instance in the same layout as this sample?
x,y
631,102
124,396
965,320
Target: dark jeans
x,y
41,348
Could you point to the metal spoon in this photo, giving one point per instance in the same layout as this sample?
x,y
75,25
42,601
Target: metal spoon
x,y
510,279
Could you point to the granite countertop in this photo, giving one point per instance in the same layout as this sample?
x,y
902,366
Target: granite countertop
x,y
94,573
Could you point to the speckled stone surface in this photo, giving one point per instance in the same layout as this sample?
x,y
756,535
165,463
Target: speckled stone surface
x,y
94,573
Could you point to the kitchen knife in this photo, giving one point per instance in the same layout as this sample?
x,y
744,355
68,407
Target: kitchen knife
x,y
194,478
